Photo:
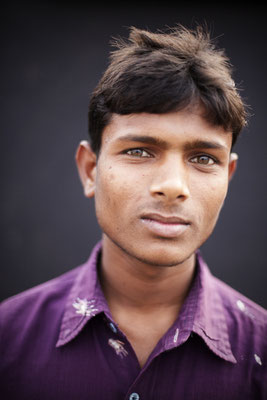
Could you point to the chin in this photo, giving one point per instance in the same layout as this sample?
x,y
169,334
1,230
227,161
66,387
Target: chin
x,y
166,261
163,256
158,252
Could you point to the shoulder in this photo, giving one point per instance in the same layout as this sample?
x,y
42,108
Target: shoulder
x,y
246,322
37,302
239,306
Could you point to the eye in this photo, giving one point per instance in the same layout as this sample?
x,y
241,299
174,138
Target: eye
x,y
203,160
138,152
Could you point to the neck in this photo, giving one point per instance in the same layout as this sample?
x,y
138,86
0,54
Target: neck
x,y
141,286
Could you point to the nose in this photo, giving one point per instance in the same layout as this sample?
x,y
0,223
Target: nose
x,y
171,181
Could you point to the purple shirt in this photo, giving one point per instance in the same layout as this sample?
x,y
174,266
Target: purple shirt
x,y
59,341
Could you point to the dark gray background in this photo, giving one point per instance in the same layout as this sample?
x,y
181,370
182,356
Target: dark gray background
x,y
52,57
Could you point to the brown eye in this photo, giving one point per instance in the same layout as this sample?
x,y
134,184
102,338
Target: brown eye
x,y
203,160
138,153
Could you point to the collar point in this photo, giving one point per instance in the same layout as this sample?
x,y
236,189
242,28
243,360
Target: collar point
x,y
60,343
230,357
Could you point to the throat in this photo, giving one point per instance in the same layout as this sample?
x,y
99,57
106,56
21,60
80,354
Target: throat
x,y
128,283
144,331
144,300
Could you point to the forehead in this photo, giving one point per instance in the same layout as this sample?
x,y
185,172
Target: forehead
x,y
171,129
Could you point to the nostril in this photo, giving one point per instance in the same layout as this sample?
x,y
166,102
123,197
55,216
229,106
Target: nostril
x,y
170,189
179,196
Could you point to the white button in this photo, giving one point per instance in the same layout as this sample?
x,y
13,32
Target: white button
x,y
134,396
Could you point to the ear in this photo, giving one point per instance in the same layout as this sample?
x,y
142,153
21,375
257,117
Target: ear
x,y
86,164
232,165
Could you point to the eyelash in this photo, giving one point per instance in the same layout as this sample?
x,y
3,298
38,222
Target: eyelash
x,y
138,148
213,159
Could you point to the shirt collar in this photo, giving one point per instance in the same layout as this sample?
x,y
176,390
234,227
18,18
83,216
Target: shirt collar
x,y
203,314
202,311
210,321
85,300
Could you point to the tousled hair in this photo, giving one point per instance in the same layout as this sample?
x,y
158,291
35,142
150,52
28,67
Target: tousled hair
x,y
164,72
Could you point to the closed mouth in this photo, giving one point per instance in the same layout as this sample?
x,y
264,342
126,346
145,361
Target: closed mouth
x,y
163,219
165,226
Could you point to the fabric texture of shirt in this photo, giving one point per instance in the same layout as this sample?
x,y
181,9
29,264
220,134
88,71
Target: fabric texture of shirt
x,y
59,341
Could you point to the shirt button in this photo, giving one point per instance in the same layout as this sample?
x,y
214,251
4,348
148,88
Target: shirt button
x,y
134,396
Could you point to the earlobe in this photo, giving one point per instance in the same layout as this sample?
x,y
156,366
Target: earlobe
x,y
86,164
232,165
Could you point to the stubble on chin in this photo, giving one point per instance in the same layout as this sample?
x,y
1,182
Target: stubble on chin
x,y
153,260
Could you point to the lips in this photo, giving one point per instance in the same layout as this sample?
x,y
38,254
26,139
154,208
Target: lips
x,y
165,226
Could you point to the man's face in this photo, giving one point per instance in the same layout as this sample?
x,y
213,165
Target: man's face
x,y
160,182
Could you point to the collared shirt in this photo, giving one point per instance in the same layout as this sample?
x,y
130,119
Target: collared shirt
x,y
59,341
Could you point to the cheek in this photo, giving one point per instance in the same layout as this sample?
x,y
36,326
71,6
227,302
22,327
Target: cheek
x,y
105,188
211,198
114,190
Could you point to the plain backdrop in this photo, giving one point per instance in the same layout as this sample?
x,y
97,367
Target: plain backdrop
x,y
53,55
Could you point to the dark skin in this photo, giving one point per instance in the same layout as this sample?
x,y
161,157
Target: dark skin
x,y
159,184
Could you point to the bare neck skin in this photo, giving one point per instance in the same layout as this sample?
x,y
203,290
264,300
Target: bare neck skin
x,y
145,300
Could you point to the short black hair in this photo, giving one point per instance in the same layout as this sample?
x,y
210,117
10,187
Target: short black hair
x,y
164,72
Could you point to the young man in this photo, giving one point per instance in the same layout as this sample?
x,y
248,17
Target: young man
x,y
144,318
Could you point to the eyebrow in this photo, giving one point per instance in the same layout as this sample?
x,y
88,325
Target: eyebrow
x,y
144,139
195,144
204,144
